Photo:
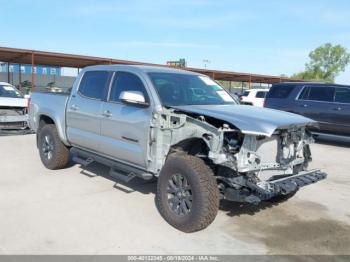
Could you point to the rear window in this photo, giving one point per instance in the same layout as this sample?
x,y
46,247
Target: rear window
x,y
261,94
245,93
93,84
342,95
280,91
317,93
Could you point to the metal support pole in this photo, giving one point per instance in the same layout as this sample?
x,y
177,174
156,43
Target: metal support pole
x,y
33,75
250,81
230,86
8,72
242,88
20,76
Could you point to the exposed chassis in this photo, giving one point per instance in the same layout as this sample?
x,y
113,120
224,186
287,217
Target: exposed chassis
x,y
238,154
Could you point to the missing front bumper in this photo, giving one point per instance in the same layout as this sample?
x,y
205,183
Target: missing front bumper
x,y
254,193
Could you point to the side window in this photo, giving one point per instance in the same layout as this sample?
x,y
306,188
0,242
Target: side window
x,y
321,93
342,95
280,91
93,84
304,95
260,94
126,82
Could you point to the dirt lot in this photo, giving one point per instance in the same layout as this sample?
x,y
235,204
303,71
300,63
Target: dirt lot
x,y
76,211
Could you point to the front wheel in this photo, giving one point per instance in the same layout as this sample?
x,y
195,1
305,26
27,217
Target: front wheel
x,y
187,193
53,153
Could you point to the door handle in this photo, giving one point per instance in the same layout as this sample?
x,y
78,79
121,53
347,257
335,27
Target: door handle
x,y
305,105
337,108
107,113
74,107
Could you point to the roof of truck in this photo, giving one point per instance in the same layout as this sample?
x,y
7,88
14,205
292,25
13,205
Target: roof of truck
x,y
143,68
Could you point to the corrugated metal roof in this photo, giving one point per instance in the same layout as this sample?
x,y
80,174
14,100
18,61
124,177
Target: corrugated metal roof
x,y
24,56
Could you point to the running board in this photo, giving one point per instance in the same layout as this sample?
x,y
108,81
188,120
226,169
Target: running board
x,y
121,176
83,162
118,170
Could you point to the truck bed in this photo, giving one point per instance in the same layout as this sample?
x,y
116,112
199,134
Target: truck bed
x,y
50,104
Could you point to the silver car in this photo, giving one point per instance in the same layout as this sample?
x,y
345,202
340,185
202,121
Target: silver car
x,y
13,108
180,127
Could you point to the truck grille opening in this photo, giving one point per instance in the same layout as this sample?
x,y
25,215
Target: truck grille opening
x,y
268,151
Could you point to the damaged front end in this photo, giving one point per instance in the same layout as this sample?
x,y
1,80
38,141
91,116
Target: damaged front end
x,y
259,168
13,118
249,167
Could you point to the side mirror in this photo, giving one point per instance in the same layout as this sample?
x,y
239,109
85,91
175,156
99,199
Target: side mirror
x,y
134,98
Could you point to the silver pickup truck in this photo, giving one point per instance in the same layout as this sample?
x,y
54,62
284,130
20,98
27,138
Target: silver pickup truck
x,y
180,127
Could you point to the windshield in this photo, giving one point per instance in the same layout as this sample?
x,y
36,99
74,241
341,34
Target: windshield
x,y
182,89
9,91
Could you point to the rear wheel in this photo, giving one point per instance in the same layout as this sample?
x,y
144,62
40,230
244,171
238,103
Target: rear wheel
x,y
187,193
53,153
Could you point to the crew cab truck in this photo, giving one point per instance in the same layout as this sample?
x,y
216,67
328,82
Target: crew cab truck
x,y
180,127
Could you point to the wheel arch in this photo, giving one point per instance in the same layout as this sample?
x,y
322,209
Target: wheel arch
x,y
191,146
46,119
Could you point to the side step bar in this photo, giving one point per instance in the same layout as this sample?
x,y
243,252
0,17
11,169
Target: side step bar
x,y
118,170
83,162
125,177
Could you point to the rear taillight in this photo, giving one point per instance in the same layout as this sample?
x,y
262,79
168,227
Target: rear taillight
x,y
264,105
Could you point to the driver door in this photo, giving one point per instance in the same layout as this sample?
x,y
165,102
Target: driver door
x,y
125,127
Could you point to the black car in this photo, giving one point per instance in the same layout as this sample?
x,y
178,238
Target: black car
x,y
328,104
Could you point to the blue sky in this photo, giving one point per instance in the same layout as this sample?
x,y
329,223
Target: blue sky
x,y
259,36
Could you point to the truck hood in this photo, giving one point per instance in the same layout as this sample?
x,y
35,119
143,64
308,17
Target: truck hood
x,y
13,102
249,119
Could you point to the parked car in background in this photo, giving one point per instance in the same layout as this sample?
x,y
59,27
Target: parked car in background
x,y
328,104
13,108
254,97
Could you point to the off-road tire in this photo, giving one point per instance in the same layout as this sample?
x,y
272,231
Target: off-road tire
x,y
60,153
205,193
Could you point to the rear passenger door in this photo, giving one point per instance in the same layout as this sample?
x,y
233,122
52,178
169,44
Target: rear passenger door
x,y
84,110
340,111
315,102
125,127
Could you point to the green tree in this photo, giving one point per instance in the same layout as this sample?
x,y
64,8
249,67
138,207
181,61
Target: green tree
x,y
326,62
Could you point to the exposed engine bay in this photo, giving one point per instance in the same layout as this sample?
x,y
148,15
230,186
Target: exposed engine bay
x,y
248,167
